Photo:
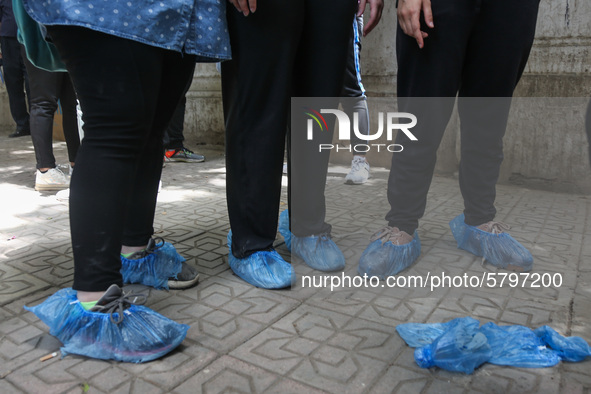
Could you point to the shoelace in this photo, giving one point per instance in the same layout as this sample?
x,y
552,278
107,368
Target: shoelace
x,y
495,227
356,165
153,244
388,233
121,304
186,151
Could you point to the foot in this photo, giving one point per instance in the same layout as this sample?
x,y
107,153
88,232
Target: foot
x,y
19,133
52,179
115,329
491,242
318,251
183,155
390,251
359,173
264,269
158,265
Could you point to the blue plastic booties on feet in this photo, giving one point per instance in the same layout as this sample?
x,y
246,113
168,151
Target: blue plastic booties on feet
x,y
264,269
142,335
160,262
318,251
284,228
389,252
498,248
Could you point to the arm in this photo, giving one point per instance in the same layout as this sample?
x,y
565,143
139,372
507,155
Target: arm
x,y
376,7
409,12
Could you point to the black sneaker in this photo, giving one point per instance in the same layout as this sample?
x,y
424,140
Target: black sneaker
x,y
116,301
19,133
186,278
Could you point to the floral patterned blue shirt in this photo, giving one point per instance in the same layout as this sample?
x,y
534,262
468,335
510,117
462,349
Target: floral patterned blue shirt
x,y
196,27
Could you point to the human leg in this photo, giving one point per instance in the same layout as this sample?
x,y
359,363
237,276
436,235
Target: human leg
x,y
67,98
496,55
498,49
427,82
256,87
119,112
355,102
15,76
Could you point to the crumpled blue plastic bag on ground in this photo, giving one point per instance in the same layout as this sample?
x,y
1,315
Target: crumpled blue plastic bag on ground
x,y
461,348
155,269
143,335
457,345
571,349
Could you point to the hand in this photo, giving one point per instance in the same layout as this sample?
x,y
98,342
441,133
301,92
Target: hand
x,y
375,15
245,6
409,13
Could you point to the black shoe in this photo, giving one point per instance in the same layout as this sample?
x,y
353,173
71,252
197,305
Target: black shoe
x,y
19,133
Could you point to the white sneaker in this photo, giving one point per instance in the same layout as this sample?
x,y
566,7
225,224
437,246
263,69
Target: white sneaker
x,y
53,179
359,173
63,195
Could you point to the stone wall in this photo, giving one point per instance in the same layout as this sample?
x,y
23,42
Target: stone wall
x,y
559,66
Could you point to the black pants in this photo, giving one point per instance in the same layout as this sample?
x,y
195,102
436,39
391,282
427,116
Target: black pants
x,y
478,50
15,76
173,137
46,89
354,100
285,49
128,92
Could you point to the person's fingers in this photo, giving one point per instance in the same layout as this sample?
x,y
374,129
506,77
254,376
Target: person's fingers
x,y
241,6
361,7
428,13
252,5
415,26
374,17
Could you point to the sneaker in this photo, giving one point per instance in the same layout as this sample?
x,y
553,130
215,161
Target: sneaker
x,y
115,302
188,277
158,265
183,155
492,243
359,173
63,195
264,269
19,133
116,329
389,252
53,179
318,251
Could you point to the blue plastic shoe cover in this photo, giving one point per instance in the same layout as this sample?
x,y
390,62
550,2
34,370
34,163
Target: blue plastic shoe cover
x,y
265,269
515,346
143,335
571,349
155,268
284,228
501,250
318,252
461,348
518,346
386,259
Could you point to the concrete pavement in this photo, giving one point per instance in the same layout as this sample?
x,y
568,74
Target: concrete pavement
x,y
244,339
